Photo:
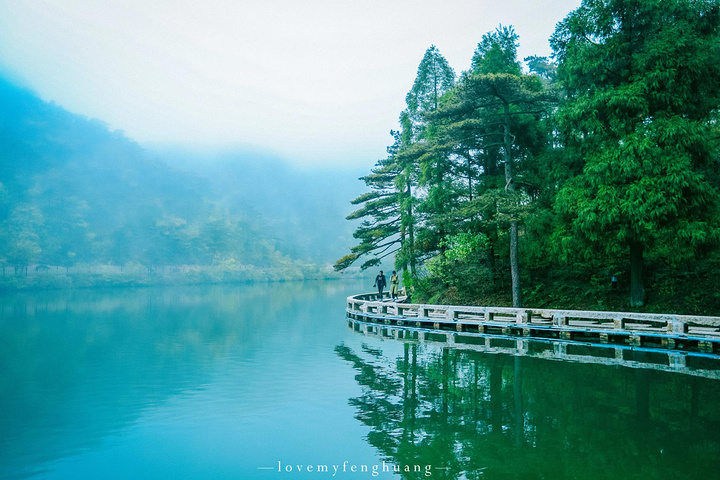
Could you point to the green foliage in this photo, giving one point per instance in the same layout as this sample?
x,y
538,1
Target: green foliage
x,y
434,78
648,72
74,194
542,67
388,210
497,53
462,246
602,162
379,212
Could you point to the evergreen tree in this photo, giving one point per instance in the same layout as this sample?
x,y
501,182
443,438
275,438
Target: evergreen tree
x,y
379,232
492,111
404,183
497,53
434,78
389,209
642,81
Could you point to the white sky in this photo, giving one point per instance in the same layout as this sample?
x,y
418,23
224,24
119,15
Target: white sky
x,y
316,81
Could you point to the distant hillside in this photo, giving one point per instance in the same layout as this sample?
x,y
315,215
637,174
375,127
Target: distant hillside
x,y
72,192
303,209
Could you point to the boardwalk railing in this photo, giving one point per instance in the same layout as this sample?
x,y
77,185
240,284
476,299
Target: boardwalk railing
x,y
702,332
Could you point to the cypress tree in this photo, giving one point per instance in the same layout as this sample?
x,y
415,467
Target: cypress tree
x,y
642,80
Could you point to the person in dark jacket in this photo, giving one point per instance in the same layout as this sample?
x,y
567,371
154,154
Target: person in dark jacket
x,y
380,283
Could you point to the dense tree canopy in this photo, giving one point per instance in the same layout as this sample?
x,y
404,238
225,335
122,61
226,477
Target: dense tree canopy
x,y
647,71
600,162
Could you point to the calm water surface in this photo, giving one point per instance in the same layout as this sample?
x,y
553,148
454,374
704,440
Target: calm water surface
x,y
267,382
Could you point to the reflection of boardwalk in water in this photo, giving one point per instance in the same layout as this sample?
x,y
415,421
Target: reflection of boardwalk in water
x,y
699,364
499,393
699,334
476,406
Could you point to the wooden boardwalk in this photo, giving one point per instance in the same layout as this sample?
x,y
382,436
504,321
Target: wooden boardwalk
x,y
669,332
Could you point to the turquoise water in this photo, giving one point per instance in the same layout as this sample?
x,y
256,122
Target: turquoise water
x,y
269,382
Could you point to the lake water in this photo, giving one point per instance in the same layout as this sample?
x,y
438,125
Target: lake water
x,y
269,382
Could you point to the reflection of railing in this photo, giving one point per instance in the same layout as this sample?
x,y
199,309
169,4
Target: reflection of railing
x,y
668,331
689,363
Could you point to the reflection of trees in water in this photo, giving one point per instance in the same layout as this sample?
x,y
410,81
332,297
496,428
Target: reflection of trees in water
x,y
96,301
496,416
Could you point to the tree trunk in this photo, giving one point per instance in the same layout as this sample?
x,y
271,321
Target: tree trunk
x,y
510,186
515,265
637,288
469,177
411,231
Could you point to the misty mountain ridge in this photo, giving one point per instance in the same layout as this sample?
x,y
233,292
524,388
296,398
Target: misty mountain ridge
x,y
72,192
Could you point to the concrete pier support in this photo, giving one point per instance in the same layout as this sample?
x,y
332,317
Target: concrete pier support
x,y
677,360
705,346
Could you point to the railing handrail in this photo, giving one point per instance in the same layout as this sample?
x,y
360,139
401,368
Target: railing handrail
x,y
673,321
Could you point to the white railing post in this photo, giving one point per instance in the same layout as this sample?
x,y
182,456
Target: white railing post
x,y
676,326
619,322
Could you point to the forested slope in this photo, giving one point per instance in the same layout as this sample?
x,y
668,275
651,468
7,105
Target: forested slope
x,y
302,208
73,194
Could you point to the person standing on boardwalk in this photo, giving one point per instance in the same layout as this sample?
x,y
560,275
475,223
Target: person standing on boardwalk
x,y
394,285
380,283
